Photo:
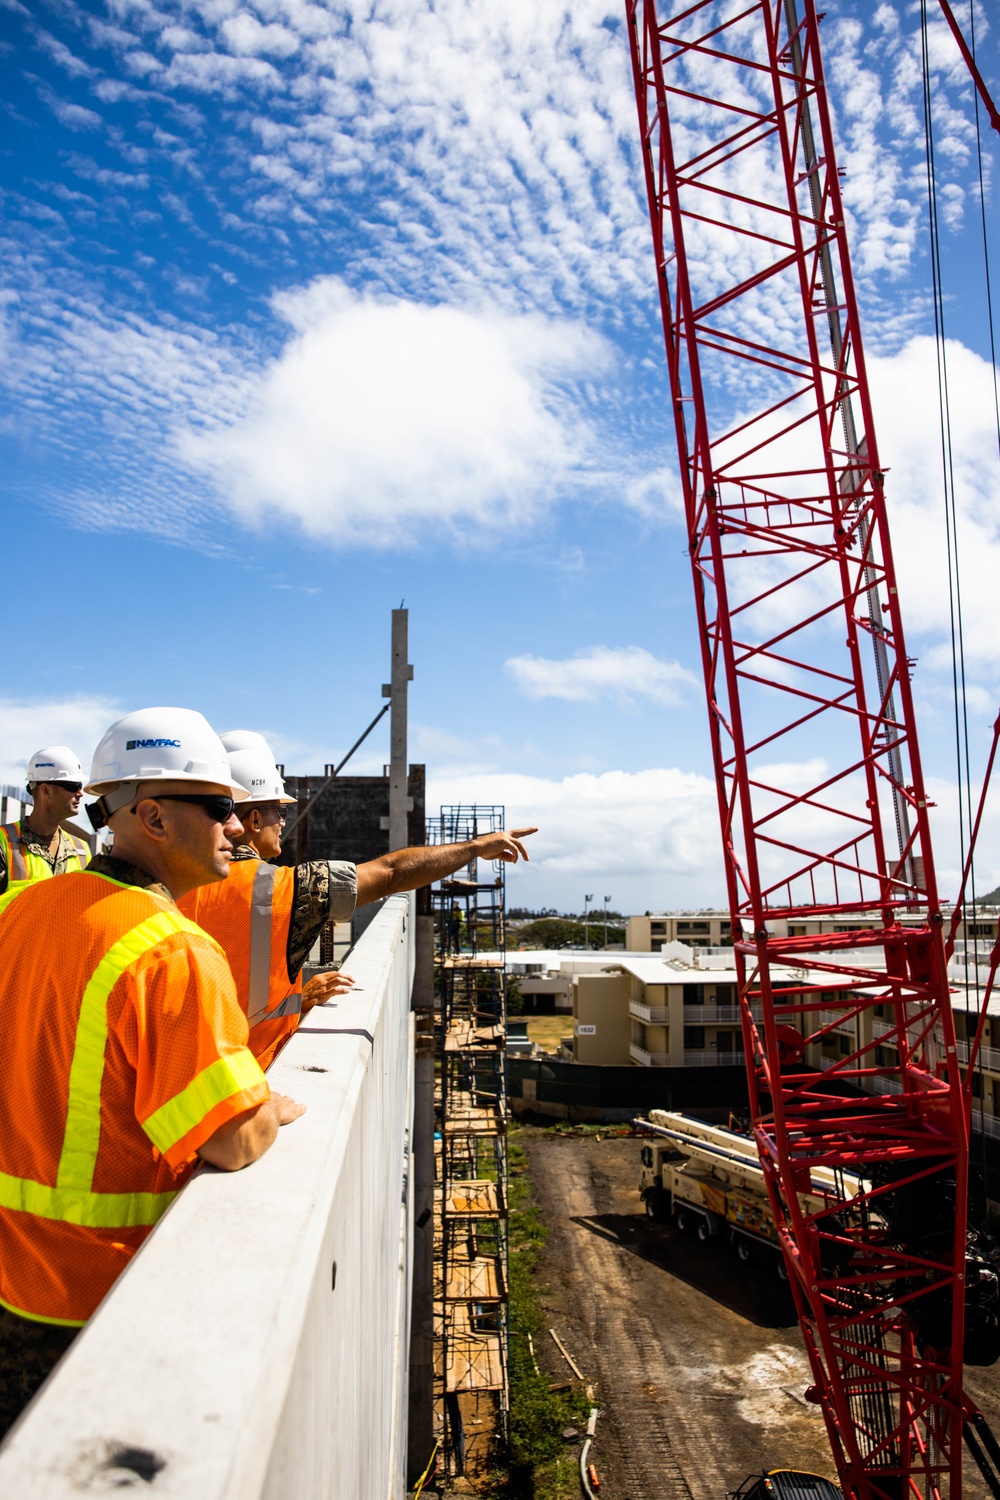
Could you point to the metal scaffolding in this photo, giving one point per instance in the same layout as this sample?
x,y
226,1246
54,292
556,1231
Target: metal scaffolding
x,y
470,1283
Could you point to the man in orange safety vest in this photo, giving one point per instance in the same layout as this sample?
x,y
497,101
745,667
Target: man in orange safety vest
x,y
266,918
125,1046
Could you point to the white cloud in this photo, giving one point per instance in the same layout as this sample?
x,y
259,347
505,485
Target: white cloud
x,y
245,36
77,722
656,495
74,116
382,417
648,838
906,412
623,672
651,838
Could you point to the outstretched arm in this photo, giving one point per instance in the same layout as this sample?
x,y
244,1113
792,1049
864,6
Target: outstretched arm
x,y
407,869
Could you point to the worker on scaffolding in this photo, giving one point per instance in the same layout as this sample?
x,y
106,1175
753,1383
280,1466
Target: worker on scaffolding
x,y
125,1046
38,846
266,918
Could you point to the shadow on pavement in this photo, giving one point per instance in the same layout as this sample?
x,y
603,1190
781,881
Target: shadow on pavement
x,y
752,1291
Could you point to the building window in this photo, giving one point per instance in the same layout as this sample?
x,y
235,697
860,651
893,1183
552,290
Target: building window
x,y
977,1084
694,994
845,1045
725,994
694,1038
658,929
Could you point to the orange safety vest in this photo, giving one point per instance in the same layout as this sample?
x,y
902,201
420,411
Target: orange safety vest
x,y
124,1050
249,915
24,866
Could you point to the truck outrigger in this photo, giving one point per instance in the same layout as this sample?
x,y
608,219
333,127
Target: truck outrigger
x,y
709,1180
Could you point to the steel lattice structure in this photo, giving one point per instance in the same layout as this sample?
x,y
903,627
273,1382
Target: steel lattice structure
x,y
821,796
471,1272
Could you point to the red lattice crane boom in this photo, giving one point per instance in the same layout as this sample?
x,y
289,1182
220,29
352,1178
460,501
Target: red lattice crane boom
x,y
849,1036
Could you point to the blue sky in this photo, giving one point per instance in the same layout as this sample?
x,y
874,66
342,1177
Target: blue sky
x,y
309,309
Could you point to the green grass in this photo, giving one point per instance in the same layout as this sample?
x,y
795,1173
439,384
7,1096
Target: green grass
x,y
541,1465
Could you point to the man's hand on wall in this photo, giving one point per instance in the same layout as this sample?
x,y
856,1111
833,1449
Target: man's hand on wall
x,y
323,987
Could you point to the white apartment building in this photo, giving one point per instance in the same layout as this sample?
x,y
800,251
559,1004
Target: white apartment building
x,y
713,929
679,1008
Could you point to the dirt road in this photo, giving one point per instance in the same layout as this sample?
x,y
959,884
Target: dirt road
x,y
697,1360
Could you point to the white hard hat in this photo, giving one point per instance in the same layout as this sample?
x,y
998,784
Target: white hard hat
x,y
252,763
54,763
178,744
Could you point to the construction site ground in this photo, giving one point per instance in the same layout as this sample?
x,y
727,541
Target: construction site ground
x,y
697,1361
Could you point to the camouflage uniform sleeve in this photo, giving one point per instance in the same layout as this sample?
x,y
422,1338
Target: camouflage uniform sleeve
x,y
325,890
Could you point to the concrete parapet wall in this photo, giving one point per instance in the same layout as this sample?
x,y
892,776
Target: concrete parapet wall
x,y
232,1361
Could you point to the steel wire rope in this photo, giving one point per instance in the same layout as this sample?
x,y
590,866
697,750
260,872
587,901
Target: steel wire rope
x,y
980,1066
986,245
963,761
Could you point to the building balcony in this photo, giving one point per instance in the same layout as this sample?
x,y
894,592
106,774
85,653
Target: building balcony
x,y
983,1123
835,1018
647,1059
712,1015
713,1058
653,1015
989,1057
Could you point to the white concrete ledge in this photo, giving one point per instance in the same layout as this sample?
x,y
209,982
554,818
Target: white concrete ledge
x,y
231,1361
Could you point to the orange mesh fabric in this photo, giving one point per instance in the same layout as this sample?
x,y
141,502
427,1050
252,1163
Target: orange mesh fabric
x,y
224,911
105,1093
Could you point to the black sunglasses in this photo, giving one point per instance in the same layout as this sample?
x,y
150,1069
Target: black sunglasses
x,y
218,807
274,808
68,786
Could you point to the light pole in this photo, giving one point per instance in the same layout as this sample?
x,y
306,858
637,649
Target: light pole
x,y
586,902
606,900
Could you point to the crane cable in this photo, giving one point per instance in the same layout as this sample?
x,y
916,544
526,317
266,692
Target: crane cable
x,y
986,245
996,413
956,619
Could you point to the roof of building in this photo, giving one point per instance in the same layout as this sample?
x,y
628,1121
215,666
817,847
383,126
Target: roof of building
x,y
650,968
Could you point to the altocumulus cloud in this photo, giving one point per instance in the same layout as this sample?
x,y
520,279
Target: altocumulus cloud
x,y
382,417
624,672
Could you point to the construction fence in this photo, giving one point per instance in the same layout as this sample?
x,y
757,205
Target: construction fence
x,y
580,1094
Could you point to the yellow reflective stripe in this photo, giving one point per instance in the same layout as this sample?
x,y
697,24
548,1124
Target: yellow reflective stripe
x,y
60,1322
78,1157
219,1081
10,893
78,859
92,1210
9,853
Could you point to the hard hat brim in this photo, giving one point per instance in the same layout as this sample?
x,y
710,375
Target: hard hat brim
x,y
229,788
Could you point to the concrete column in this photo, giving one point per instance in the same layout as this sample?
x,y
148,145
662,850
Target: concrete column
x,y
675,1010
420,1433
396,691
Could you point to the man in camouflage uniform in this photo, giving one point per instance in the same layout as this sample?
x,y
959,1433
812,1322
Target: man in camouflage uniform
x,y
39,835
325,889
